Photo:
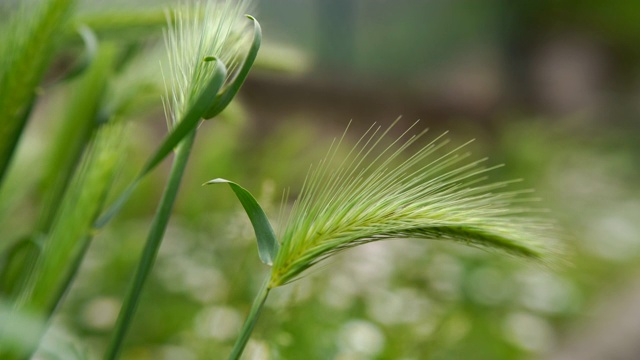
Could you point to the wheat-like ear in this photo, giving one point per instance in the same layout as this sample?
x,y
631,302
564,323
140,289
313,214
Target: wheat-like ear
x,y
200,38
198,34
371,195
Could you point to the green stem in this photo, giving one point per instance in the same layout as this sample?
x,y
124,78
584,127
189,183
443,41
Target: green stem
x,y
152,245
247,328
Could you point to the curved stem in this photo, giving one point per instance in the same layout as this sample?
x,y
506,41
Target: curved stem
x,y
151,247
252,318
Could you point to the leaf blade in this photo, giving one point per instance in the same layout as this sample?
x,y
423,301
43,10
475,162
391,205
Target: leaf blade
x,y
267,243
184,127
190,120
224,98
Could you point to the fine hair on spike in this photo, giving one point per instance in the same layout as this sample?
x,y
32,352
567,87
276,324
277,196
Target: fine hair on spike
x,y
199,33
374,192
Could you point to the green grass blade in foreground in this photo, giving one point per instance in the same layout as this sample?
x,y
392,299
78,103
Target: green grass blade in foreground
x,y
229,92
267,243
152,244
73,225
26,51
13,263
78,209
194,114
70,143
78,125
188,123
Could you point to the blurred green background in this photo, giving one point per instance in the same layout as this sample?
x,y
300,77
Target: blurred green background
x,y
550,88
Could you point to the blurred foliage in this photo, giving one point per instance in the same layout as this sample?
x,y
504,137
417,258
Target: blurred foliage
x,y
393,300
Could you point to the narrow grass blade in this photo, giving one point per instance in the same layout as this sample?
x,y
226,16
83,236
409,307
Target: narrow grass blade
x,y
27,51
190,120
10,134
79,124
79,207
90,41
69,236
69,145
12,264
183,128
267,244
229,92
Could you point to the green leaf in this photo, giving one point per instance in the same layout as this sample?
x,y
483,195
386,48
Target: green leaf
x,y
184,127
90,41
27,48
13,264
80,123
224,98
267,244
190,120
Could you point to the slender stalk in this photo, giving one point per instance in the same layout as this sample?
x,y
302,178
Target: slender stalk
x,y
251,320
158,227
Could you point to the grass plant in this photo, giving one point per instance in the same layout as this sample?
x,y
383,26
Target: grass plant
x,y
429,196
210,55
198,48
382,189
371,194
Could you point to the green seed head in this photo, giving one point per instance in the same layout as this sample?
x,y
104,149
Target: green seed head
x,y
200,33
371,195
